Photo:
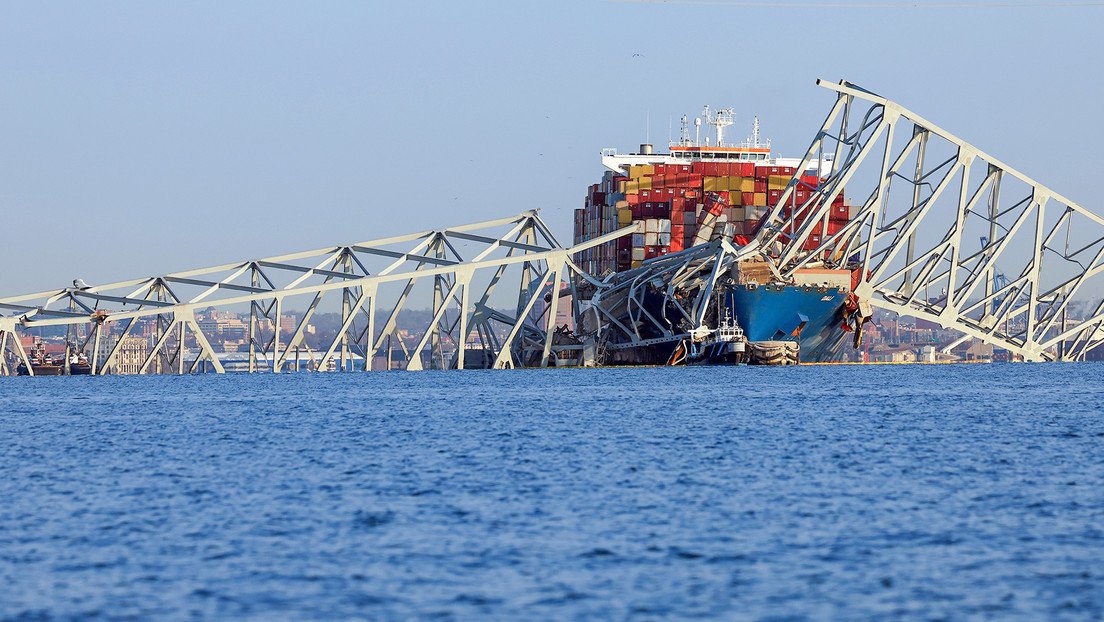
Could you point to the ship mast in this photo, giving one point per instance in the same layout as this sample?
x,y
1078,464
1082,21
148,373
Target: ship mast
x,y
722,119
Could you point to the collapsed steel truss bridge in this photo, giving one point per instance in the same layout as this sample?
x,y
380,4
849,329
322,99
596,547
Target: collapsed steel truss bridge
x,y
940,225
944,233
458,270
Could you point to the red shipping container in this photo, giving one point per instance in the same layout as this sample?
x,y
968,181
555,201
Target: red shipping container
x,y
651,252
747,169
637,210
838,212
633,199
645,195
773,196
677,231
624,243
760,186
838,200
812,242
747,198
658,181
677,245
696,180
810,180
788,171
835,226
681,168
660,169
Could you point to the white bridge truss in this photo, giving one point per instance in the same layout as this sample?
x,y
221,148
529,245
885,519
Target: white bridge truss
x,y
662,301
945,232
458,268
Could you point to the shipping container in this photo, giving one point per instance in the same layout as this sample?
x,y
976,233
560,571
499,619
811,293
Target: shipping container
x,y
777,182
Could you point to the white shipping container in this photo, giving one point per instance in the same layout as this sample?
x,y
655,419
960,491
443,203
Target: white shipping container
x,y
664,226
664,239
651,225
638,253
651,239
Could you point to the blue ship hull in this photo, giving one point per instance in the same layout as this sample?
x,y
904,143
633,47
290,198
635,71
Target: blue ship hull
x,y
809,315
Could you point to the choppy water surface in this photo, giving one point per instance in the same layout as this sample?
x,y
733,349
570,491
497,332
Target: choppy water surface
x,y
918,492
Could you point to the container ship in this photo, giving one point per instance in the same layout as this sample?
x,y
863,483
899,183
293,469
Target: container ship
x,y
692,263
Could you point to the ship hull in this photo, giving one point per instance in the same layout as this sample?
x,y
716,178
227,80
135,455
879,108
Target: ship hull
x,y
724,353
808,315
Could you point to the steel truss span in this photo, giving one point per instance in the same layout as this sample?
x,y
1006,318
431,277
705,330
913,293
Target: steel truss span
x,y
945,232
459,269
620,317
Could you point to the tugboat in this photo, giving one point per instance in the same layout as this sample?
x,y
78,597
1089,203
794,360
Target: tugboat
x,y
725,345
44,365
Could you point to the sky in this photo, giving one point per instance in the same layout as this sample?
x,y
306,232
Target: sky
x,y
141,138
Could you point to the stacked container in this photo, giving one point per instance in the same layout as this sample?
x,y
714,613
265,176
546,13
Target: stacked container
x,y
675,206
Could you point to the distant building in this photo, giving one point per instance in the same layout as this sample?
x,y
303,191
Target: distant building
x,y
132,353
892,353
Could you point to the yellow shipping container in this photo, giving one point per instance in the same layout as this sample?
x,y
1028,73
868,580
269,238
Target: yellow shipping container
x,y
624,216
760,199
712,184
622,204
649,169
777,182
645,182
636,264
636,171
631,186
742,184
735,198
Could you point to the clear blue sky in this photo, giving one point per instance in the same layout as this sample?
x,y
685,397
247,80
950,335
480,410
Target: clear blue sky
x,y
139,138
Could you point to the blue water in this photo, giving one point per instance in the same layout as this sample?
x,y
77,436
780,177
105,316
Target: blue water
x,y
821,493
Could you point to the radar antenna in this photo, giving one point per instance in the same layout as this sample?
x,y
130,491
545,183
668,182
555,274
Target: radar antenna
x,y
720,120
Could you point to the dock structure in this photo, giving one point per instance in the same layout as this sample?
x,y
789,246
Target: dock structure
x,y
946,233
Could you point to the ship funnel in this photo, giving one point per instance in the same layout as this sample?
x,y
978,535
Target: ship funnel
x,y
645,149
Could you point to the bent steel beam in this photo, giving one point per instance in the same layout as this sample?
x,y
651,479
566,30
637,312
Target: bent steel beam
x,y
939,225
